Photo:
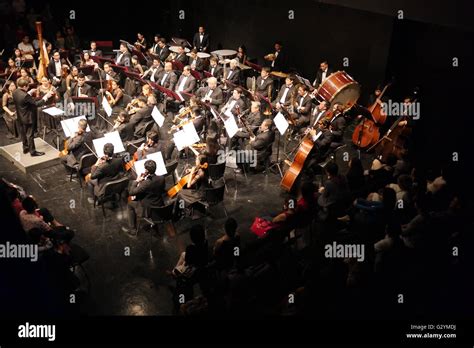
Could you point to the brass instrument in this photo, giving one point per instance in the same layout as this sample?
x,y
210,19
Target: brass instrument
x,y
224,77
171,57
268,109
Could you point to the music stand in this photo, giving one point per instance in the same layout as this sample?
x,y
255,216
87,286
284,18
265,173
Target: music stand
x,y
282,125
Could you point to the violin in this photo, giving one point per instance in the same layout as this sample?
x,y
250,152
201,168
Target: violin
x,y
184,180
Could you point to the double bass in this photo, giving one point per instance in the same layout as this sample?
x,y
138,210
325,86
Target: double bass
x,y
299,160
393,142
367,131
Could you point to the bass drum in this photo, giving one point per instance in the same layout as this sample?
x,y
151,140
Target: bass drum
x,y
339,87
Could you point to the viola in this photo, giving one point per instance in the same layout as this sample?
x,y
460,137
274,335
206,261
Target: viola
x,y
183,181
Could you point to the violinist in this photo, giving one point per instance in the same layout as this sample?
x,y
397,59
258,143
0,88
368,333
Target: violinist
x,y
136,66
124,127
71,78
108,73
115,94
193,193
146,191
151,145
106,169
45,88
76,145
86,60
80,89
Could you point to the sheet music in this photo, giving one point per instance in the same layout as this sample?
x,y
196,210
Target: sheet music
x,y
191,133
106,106
281,123
53,111
114,138
180,140
213,112
70,125
230,125
160,163
108,138
158,116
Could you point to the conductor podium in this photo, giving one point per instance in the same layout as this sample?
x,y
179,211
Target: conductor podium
x,y
25,162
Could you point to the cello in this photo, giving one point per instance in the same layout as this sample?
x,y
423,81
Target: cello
x,y
367,131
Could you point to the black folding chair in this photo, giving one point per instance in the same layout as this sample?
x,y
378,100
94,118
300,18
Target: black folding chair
x,y
170,170
216,172
214,196
112,193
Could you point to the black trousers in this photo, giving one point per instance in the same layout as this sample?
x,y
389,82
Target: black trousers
x,y
27,134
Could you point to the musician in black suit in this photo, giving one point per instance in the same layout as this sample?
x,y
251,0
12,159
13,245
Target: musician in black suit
x,y
155,47
78,145
55,68
153,73
323,73
167,77
108,73
26,115
278,61
263,82
146,191
303,107
152,144
211,94
262,143
124,57
201,40
318,113
285,94
235,103
81,88
195,61
233,73
162,50
181,56
186,82
94,52
214,68
124,127
143,115
106,169
253,120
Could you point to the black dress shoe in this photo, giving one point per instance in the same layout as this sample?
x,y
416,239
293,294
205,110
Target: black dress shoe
x,y
25,151
130,232
37,153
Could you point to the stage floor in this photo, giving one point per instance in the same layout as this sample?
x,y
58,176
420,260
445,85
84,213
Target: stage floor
x,y
26,163
136,283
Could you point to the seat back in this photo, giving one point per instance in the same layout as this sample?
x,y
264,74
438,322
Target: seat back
x,y
171,167
216,171
164,213
132,145
86,161
116,186
215,195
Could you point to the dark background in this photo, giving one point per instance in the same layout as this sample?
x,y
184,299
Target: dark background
x,y
414,52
